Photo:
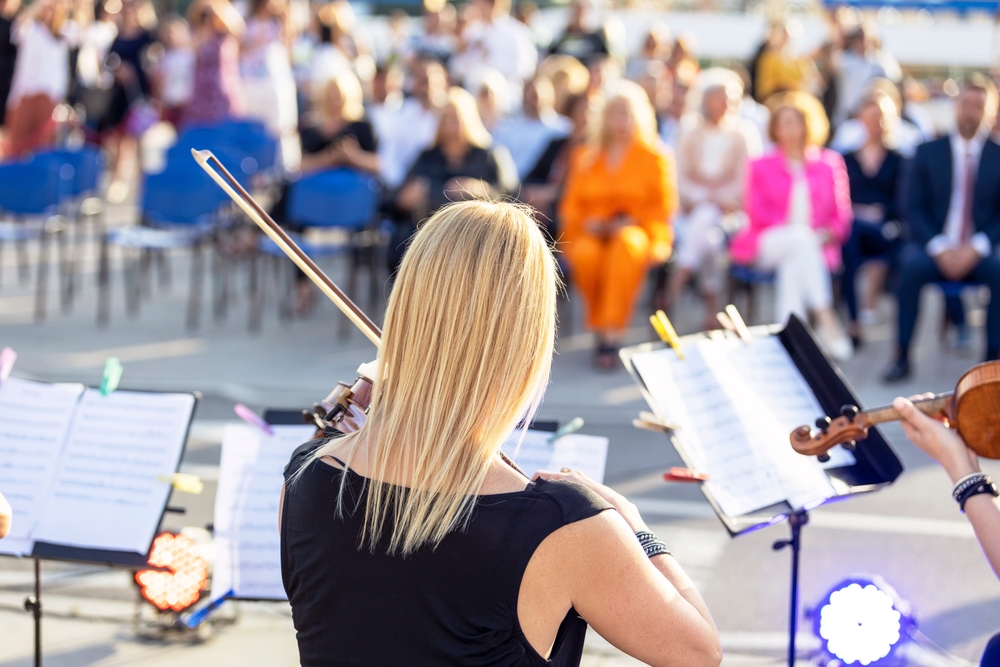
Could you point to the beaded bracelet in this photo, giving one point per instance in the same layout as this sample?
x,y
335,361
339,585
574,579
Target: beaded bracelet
x,y
651,544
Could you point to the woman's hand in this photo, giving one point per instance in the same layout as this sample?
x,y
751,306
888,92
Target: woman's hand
x,y
627,509
936,440
413,195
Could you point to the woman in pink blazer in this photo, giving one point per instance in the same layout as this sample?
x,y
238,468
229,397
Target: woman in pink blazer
x,y
798,203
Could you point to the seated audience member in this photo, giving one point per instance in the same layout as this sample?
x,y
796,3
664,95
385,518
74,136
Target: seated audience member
x,y
173,75
527,134
340,135
582,38
675,119
407,132
543,185
438,38
798,206
778,68
492,97
6,514
387,97
852,133
568,76
461,163
337,136
962,466
621,194
874,172
656,47
710,164
953,208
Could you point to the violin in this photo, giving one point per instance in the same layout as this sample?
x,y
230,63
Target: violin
x,y
973,409
346,407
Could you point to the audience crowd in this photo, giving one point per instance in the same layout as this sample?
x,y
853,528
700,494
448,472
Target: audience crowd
x,y
820,173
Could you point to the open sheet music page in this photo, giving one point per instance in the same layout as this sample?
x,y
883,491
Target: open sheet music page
x,y
586,453
247,541
34,421
736,404
106,494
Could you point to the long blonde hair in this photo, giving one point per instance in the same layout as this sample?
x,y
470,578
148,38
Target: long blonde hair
x,y
640,108
469,119
466,353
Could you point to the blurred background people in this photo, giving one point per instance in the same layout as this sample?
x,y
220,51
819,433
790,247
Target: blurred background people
x,y
217,84
461,163
266,68
620,198
543,185
339,134
527,134
500,42
127,58
798,206
173,76
953,200
710,179
8,51
779,69
875,174
582,38
43,34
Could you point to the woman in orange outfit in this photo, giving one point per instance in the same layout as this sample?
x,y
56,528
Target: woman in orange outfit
x,y
621,192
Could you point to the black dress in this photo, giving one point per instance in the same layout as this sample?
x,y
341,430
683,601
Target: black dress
x,y
315,141
455,605
8,54
131,52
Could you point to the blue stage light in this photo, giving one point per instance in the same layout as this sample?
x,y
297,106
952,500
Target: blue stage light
x,y
862,621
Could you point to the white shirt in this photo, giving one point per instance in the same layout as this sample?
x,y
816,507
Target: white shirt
x,y
951,236
799,202
527,138
176,72
505,45
405,134
42,65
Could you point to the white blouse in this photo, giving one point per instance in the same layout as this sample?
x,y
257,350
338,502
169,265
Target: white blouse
x,y
42,65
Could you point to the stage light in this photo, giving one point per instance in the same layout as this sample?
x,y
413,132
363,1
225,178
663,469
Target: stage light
x,y
862,621
184,577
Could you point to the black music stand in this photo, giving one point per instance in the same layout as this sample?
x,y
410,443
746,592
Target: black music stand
x,y
876,463
112,558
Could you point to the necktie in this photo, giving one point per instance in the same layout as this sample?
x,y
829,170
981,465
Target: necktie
x,y
970,188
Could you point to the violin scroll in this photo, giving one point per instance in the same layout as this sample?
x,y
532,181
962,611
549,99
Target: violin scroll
x,y
845,430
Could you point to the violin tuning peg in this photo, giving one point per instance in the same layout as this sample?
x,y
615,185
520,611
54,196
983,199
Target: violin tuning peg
x,y
823,423
823,458
850,445
849,411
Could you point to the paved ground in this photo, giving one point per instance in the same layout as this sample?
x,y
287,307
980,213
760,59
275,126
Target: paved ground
x,y
911,533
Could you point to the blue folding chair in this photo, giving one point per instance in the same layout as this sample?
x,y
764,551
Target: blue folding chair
x,y
80,171
30,194
252,138
179,211
336,200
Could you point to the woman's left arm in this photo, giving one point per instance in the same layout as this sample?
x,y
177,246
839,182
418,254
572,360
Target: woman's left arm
x,y
655,213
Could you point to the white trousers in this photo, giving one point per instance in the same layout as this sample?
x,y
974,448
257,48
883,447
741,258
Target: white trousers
x,y
802,279
702,243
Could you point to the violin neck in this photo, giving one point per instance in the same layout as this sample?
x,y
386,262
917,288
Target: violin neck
x,y
938,406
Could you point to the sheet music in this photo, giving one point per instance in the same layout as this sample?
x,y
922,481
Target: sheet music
x,y
711,432
586,453
247,541
106,494
34,420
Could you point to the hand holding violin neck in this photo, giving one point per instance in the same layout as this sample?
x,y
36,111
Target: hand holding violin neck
x,y
938,406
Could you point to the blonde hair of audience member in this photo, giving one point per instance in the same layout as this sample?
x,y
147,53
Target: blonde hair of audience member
x,y
631,99
463,105
144,13
479,276
568,76
808,108
342,98
219,14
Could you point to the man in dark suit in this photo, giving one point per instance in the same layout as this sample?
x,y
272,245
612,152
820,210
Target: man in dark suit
x,y
953,202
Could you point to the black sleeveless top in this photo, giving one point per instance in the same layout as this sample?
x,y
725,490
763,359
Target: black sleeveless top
x,y
455,605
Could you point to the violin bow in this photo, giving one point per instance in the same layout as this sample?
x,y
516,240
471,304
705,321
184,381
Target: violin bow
x,y
225,180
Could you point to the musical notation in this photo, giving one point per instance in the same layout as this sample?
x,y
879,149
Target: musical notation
x,y
34,421
735,403
105,492
247,541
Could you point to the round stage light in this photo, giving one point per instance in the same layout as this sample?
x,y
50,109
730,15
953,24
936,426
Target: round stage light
x,y
862,621
184,573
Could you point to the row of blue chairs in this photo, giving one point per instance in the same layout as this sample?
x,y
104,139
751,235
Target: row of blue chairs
x,y
40,199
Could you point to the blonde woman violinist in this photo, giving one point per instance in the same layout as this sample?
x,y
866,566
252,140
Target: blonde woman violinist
x,y
412,542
